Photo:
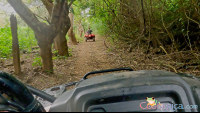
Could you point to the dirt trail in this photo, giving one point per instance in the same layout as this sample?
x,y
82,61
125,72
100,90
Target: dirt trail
x,y
86,57
90,56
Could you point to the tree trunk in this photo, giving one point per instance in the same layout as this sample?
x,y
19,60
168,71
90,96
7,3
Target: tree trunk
x,y
45,52
81,34
80,28
72,37
60,44
15,45
70,32
44,33
46,55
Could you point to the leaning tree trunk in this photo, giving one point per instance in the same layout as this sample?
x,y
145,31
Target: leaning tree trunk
x,y
71,34
81,33
60,44
80,28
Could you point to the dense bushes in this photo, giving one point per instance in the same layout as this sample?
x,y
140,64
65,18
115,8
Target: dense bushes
x,y
148,23
25,37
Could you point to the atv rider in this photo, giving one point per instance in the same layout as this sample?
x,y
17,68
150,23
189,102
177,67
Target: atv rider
x,y
89,31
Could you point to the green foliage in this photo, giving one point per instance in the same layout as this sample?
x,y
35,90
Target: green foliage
x,y
55,52
70,51
59,57
5,42
92,15
78,38
109,50
67,37
27,57
62,57
25,38
71,10
37,61
135,21
49,72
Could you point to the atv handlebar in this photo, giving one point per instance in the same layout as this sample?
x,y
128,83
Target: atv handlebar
x,y
41,94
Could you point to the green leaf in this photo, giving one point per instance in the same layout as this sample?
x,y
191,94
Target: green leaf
x,y
71,10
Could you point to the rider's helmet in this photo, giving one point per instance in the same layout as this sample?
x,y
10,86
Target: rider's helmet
x,y
15,97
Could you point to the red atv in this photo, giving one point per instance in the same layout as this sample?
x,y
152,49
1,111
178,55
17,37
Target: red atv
x,y
89,37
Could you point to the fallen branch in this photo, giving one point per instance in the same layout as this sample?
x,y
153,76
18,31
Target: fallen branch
x,y
44,75
175,53
196,71
165,51
159,65
171,67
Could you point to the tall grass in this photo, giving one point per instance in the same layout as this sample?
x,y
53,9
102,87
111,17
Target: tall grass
x,y
26,40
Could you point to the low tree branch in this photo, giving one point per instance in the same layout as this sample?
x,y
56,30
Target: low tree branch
x,y
27,15
56,14
65,21
49,5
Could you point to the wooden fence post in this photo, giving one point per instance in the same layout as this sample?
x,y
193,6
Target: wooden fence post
x,y
15,45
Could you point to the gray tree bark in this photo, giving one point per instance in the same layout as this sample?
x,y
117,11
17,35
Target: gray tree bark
x,y
60,42
44,33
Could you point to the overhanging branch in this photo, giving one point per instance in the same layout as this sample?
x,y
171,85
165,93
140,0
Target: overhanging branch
x,y
64,20
49,5
56,13
27,15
